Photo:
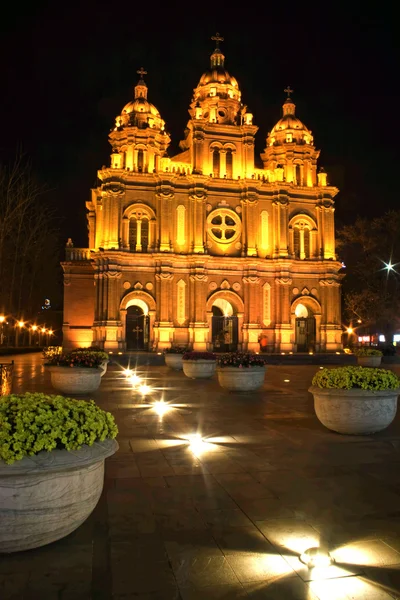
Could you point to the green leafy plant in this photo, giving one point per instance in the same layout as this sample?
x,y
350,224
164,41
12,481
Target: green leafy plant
x,y
199,356
366,351
51,351
241,360
176,350
32,422
365,378
86,359
93,350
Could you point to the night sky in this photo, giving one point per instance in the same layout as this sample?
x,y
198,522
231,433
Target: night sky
x,y
68,69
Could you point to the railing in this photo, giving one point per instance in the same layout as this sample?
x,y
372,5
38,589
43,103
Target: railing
x,y
75,254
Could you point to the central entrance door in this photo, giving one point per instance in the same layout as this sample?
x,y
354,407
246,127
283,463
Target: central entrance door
x,y
305,334
224,331
137,329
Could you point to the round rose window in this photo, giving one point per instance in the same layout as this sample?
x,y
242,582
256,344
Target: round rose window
x,y
224,226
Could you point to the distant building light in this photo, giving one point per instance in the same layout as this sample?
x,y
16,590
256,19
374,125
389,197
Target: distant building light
x,y
396,337
382,338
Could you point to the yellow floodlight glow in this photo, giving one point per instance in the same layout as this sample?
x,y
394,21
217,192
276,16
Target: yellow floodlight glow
x,y
144,389
134,379
286,380
43,330
34,327
161,407
2,318
128,372
350,330
21,324
196,443
316,558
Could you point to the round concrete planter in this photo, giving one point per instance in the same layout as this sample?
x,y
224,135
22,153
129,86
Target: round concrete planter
x,y
235,379
355,411
45,497
199,369
75,380
103,367
174,361
369,361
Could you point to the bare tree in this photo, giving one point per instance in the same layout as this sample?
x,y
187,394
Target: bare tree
x,y
28,239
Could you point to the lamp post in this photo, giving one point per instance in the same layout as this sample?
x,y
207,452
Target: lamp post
x,y
32,331
18,328
2,319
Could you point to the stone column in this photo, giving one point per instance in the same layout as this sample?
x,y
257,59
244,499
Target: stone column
x,y
165,221
252,323
139,235
92,228
283,228
125,233
301,235
199,216
200,326
222,163
283,327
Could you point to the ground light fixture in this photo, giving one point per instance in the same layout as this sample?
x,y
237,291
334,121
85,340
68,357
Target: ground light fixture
x,y
161,407
134,379
196,442
316,558
144,389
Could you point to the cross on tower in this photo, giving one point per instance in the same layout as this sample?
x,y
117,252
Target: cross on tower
x,y
141,72
288,91
217,38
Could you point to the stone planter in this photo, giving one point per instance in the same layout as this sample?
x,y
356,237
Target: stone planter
x,y
45,497
199,369
174,361
355,411
369,361
235,379
103,367
75,380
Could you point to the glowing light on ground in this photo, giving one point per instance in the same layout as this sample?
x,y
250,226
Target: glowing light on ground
x,y
161,407
128,372
134,379
196,443
144,389
315,557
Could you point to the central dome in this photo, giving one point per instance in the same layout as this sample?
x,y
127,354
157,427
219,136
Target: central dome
x,y
140,105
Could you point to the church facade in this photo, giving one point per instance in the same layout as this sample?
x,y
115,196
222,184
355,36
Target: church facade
x,y
205,249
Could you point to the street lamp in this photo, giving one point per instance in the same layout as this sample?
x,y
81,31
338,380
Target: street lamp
x,y
2,319
18,329
32,331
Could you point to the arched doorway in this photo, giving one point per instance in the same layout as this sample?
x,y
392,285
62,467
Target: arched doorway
x,y
137,328
224,326
305,330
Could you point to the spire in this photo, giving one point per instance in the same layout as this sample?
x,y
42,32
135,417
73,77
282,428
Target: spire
x,y
141,87
289,106
217,58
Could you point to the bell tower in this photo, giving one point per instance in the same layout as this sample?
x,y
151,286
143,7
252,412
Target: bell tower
x,y
220,132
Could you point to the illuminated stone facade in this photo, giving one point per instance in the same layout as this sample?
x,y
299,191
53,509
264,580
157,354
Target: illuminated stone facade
x,y
205,248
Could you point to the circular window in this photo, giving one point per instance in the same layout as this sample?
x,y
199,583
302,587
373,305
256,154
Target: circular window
x,y
224,226
222,113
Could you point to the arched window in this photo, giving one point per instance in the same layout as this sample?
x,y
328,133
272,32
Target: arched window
x,y
298,175
216,162
229,164
140,160
139,234
301,241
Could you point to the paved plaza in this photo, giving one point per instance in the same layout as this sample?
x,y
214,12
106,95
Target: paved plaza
x,y
226,518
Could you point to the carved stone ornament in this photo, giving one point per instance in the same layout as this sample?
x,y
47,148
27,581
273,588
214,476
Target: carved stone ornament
x,y
113,274
149,286
138,286
199,277
126,285
67,282
225,285
283,280
314,291
236,286
209,244
251,279
208,207
305,291
295,291
164,276
328,282
212,286
238,245
238,209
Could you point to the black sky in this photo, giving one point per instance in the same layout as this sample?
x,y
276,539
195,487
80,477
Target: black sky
x,y
68,69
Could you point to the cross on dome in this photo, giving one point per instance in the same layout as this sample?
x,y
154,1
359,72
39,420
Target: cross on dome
x,y
288,91
141,72
217,38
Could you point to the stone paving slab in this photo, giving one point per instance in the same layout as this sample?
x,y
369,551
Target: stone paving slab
x,y
228,519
